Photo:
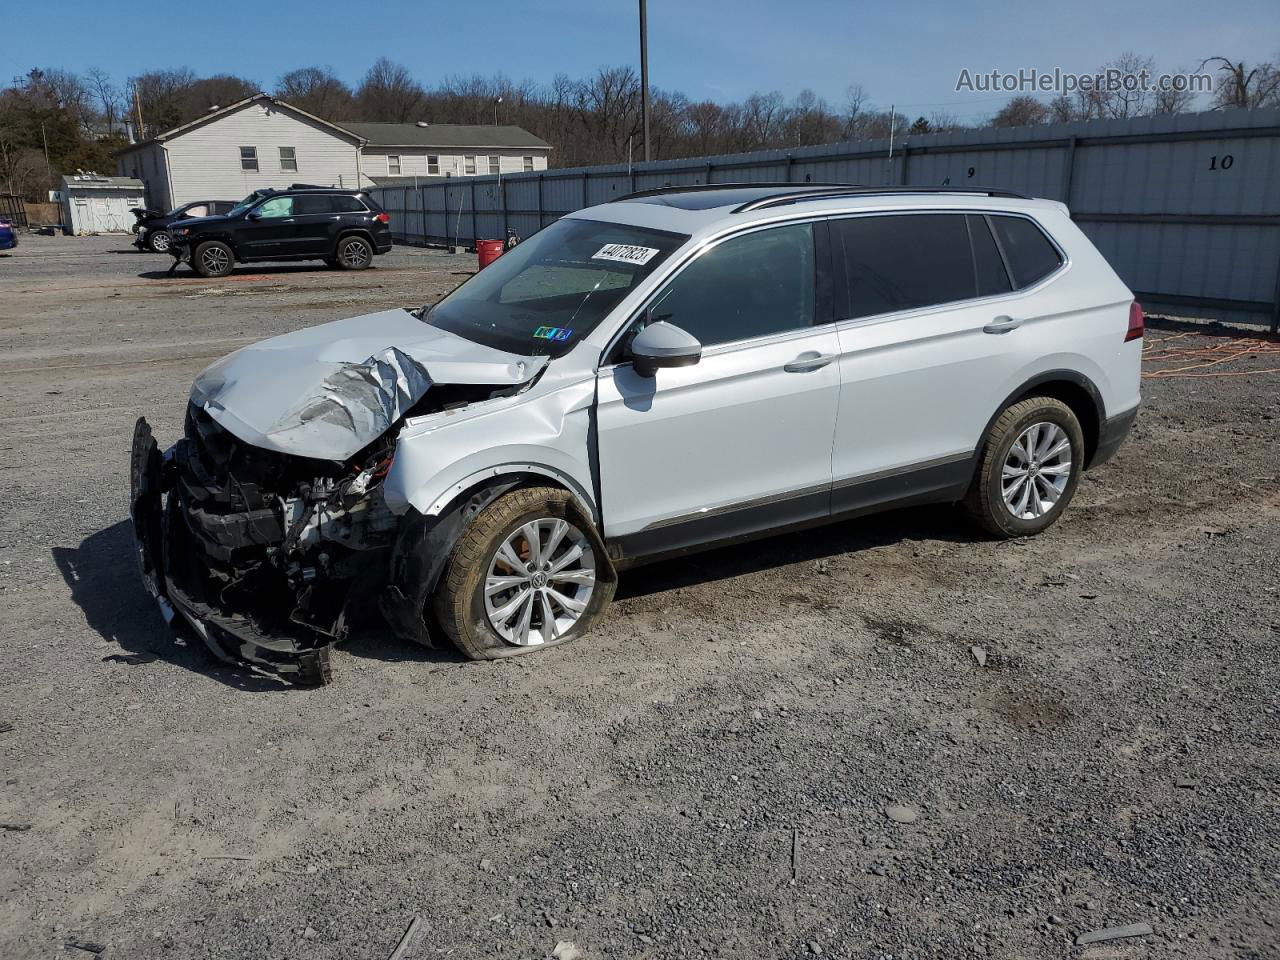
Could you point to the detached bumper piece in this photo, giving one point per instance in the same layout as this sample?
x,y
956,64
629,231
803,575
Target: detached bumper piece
x,y
266,556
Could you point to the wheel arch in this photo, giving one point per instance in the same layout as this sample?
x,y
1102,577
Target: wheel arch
x,y
361,232
426,540
1072,388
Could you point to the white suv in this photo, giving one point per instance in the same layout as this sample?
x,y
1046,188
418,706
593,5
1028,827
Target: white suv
x,y
674,370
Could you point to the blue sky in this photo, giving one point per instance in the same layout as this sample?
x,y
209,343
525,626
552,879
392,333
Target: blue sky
x,y
906,53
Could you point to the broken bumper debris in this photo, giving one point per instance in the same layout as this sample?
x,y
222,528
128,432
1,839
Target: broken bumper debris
x,y
263,555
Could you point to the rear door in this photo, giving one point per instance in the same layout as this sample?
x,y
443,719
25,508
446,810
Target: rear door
x,y
315,218
930,332
740,441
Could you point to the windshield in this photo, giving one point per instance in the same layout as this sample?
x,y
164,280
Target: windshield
x,y
546,294
245,204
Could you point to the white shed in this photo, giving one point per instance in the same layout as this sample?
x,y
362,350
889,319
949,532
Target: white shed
x,y
92,203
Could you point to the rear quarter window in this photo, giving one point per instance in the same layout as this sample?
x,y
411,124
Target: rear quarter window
x,y
347,205
1030,254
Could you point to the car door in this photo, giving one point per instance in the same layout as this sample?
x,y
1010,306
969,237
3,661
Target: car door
x,y
741,441
314,217
928,341
268,231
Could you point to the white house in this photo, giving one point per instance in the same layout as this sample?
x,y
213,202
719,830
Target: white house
x,y
265,142
394,151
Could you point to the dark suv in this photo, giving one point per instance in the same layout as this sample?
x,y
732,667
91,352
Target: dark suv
x,y
344,228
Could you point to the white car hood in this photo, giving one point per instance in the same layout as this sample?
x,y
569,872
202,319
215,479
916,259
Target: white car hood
x,y
329,391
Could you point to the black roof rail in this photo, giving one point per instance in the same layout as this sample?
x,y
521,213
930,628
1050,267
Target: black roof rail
x,y
781,199
741,185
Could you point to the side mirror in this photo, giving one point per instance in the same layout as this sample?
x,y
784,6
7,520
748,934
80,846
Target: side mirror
x,y
254,215
663,344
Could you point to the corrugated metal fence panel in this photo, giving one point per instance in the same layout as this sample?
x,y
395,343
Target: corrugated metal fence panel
x,y
1186,207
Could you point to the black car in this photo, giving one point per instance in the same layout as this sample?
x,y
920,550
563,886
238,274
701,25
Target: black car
x,y
152,226
344,228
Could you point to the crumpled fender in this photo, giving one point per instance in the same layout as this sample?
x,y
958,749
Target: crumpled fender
x,y
441,455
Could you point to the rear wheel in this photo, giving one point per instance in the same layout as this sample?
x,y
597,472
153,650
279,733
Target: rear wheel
x,y
159,241
213,258
526,574
1030,468
354,253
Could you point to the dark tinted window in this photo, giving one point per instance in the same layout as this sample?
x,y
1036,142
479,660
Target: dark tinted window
x,y
750,286
306,203
1030,254
992,276
347,204
905,261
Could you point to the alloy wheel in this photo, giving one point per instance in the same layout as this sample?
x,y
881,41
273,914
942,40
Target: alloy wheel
x,y
160,242
215,259
355,254
539,582
1036,470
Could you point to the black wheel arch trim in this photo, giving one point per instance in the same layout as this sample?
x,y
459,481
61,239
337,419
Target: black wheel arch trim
x,y
1092,431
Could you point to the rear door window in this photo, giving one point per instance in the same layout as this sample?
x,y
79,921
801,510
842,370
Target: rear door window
x,y
904,261
749,286
310,204
1029,253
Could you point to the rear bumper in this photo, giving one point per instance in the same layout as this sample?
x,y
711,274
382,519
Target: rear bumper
x,y
1113,433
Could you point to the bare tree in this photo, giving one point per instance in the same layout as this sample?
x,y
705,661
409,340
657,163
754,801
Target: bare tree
x,y
318,91
1021,111
1062,110
1171,100
1132,97
107,95
389,93
1243,87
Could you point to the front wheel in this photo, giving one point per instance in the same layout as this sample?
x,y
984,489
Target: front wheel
x,y
1031,464
159,241
213,258
354,253
526,574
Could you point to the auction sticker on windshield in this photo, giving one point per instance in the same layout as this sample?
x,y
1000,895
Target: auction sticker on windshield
x,y
625,253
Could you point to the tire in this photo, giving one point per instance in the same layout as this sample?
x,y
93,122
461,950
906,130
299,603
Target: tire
x,y
997,502
159,241
213,258
354,253
460,604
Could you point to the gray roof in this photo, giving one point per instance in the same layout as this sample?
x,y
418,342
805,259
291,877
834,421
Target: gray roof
x,y
444,135
96,181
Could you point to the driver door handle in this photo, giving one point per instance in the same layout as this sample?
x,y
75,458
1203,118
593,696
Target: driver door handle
x,y
809,360
1002,325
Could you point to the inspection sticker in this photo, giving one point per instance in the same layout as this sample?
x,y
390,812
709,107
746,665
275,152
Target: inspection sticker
x,y
553,333
625,253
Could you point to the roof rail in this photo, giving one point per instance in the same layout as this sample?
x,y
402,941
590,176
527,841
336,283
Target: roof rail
x,y
741,185
777,200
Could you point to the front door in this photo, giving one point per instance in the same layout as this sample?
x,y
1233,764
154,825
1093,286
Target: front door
x,y
268,231
741,441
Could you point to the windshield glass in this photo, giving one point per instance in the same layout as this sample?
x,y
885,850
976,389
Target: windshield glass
x,y
245,204
546,294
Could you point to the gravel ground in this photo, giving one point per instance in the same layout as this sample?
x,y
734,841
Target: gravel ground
x,y
887,738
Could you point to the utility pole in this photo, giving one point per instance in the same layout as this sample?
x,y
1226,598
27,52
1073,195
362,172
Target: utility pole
x,y
48,170
137,106
644,75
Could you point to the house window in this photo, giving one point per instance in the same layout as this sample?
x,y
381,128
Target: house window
x,y
528,164
289,159
248,158
493,165
433,165
470,167
393,165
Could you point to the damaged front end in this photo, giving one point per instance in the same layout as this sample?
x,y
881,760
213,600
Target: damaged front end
x,y
266,527
267,556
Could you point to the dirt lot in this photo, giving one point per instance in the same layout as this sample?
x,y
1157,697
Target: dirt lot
x,y
708,774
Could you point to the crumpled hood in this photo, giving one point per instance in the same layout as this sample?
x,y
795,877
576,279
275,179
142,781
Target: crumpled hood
x,y
328,391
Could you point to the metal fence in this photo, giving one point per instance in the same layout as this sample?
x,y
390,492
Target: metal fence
x,y
1185,207
13,209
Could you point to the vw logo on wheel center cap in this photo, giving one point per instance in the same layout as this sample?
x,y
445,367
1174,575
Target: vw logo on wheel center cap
x,y
539,580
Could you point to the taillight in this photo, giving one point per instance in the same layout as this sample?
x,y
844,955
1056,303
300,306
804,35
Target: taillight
x,y
1136,322
383,218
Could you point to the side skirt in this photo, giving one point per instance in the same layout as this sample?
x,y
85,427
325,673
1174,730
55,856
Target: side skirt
x,y
937,481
